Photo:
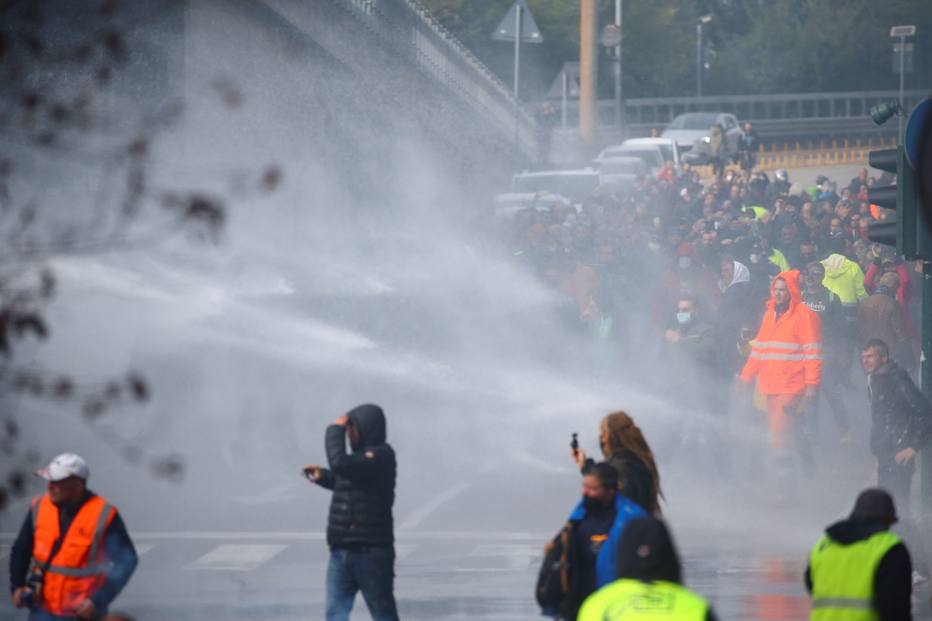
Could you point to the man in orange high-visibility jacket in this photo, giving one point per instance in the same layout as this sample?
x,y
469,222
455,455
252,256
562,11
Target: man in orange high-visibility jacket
x,y
73,554
786,357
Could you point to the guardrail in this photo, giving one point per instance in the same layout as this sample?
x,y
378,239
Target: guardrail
x,y
782,116
409,29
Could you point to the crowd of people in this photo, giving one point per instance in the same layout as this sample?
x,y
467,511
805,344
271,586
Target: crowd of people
x,y
742,281
680,271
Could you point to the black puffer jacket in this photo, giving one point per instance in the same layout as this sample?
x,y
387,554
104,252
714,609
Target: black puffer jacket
x,y
901,416
363,482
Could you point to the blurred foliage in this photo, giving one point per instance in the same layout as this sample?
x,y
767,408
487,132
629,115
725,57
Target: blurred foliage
x,y
752,46
56,105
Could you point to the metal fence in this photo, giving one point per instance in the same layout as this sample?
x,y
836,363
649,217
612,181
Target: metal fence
x,y
788,106
408,28
781,116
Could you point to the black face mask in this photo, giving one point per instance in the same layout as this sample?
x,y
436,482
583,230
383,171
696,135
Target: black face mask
x,y
808,258
593,504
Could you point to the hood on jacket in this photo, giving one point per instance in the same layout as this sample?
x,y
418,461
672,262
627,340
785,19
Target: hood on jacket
x,y
791,278
646,552
851,530
742,274
369,420
836,265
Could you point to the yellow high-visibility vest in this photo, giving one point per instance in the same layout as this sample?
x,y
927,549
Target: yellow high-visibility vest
x,y
633,600
843,577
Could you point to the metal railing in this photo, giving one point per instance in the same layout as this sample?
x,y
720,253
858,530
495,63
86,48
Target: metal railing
x,y
786,106
408,28
815,114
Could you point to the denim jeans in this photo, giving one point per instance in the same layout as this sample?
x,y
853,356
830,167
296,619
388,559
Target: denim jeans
x,y
370,570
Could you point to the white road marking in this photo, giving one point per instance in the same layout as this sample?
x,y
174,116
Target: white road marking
x,y
423,512
516,555
142,548
237,557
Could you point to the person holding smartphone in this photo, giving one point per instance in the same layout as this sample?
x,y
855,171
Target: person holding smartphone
x,y
360,528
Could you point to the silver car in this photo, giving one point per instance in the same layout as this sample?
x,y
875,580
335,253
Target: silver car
x,y
687,129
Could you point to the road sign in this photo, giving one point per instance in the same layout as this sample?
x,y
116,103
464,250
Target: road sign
x,y
903,31
918,128
530,33
907,49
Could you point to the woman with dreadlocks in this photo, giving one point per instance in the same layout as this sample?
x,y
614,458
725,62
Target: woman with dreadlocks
x,y
625,448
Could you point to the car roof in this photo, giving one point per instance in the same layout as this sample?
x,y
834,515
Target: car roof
x,y
645,141
547,173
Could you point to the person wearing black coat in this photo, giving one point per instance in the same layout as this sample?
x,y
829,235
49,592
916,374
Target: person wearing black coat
x,y
360,530
901,426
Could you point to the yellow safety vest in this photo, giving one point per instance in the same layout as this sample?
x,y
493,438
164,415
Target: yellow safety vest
x,y
843,577
633,600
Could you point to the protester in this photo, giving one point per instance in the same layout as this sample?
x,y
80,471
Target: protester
x,y
859,569
880,317
650,581
58,567
360,530
786,359
591,537
835,344
626,450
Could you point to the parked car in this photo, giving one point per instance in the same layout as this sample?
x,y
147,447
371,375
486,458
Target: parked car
x,y
668,148
651,155
687,129
622,170
508,204
576,185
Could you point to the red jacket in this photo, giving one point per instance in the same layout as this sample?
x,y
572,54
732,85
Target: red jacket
x,y
786,354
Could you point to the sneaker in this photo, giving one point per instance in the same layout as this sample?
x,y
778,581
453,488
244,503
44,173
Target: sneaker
x,y
919,578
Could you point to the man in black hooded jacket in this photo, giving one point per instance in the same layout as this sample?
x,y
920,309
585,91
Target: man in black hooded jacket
x,y
360,527
861,544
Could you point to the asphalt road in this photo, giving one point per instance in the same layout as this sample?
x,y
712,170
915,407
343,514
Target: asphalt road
x,y
478,494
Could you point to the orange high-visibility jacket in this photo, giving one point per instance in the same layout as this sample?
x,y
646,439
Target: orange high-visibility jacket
x,y
786,354
80,567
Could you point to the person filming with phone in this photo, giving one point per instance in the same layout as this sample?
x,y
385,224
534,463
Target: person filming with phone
x,y
360,530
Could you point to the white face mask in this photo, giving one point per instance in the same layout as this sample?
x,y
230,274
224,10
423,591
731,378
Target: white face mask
x,y
755,258
683,317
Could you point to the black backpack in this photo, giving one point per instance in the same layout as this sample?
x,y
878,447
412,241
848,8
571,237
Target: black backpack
x,y
555,582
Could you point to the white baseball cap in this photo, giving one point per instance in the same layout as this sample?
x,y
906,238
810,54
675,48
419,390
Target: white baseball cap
x,y
64,466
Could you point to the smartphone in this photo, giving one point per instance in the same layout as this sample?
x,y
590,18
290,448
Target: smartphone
x,y
574,443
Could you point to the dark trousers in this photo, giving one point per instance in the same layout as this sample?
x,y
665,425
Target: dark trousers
x,y
898,480
370,570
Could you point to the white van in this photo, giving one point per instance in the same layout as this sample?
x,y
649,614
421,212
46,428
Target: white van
x,y
668,148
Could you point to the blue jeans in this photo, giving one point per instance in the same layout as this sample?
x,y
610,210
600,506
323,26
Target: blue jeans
x,y
370,570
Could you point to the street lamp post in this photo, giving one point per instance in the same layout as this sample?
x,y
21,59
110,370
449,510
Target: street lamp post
x,y
901,32
619,107
705,19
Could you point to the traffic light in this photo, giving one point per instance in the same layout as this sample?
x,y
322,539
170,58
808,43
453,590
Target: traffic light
x,y
907,230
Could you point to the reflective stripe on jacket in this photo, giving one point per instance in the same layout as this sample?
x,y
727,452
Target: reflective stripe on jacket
x,y
80,567
786,354
633,600
843,577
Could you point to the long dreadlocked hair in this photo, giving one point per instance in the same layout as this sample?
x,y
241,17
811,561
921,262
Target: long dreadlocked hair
x,y
624,434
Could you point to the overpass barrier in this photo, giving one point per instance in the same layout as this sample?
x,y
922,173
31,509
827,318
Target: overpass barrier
x,y
408,28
